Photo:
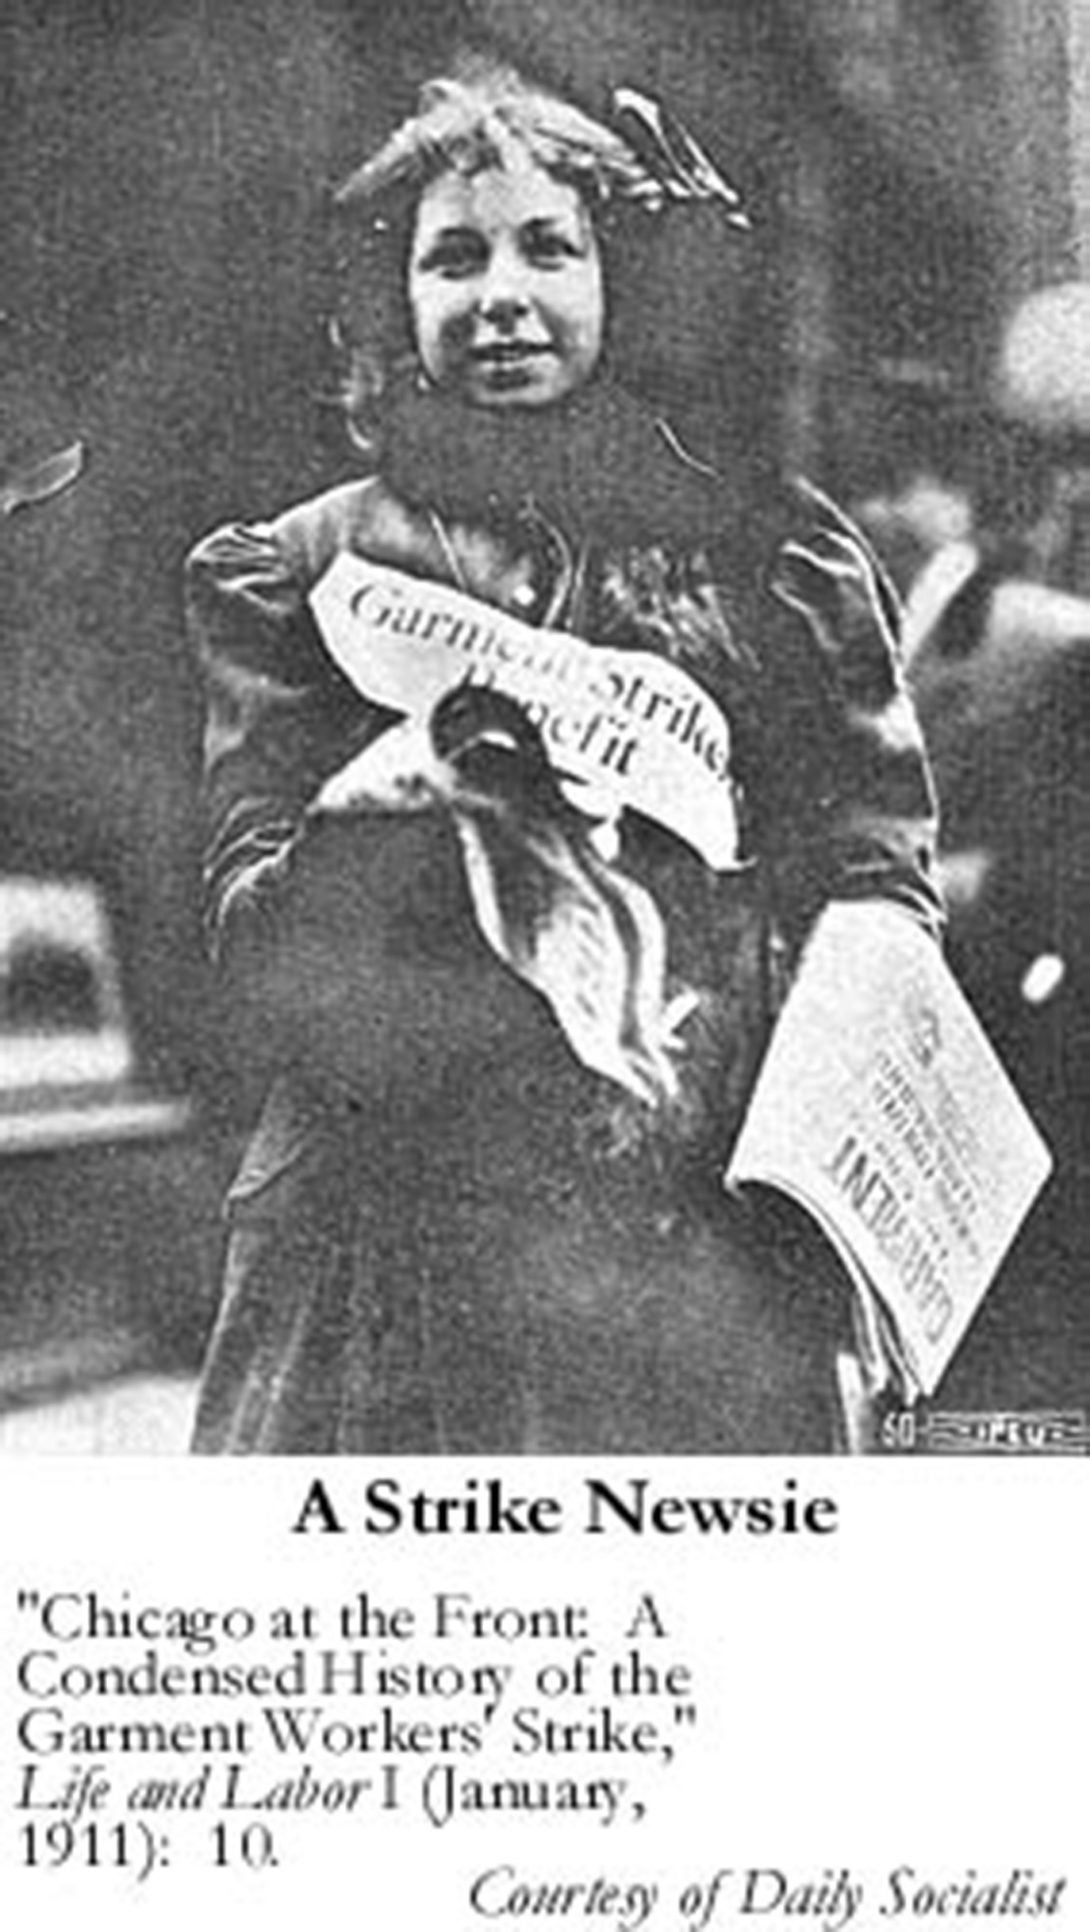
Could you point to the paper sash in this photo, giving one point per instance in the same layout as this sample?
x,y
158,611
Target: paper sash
x,y
635,729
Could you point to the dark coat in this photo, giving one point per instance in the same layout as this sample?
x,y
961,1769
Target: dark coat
x,y
447,1234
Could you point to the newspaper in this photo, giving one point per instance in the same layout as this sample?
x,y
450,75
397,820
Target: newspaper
x,y
882,1108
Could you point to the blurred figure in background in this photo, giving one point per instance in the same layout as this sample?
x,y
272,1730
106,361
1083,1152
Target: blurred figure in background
x,y
999,634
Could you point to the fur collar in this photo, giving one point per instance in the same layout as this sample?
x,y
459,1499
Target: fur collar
x,y
601,466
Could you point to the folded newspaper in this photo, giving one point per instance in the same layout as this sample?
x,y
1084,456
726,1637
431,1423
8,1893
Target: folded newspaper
x,y
882,1108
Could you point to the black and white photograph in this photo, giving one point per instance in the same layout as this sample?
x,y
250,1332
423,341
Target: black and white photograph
x,y
544,946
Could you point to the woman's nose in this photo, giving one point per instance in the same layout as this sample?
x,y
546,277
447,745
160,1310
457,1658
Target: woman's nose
x,y
503,296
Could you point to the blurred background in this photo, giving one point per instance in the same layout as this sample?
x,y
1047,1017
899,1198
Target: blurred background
x,y
912,328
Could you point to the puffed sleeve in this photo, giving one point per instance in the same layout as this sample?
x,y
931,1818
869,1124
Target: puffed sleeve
x,y
279,715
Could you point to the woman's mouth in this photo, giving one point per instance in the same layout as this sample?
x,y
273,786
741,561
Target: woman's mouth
x,y
509,368
505,355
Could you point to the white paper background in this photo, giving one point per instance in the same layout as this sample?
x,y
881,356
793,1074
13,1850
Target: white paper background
x,y
908,1691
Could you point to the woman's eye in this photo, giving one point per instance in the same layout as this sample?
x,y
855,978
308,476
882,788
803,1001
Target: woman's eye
x,y
455,256
546,248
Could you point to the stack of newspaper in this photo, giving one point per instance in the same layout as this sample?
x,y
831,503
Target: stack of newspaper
x,y
882,1108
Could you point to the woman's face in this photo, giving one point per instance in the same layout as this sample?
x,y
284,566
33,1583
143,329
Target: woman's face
x,y
505,286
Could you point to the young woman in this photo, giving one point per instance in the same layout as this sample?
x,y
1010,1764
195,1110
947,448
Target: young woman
x,y
531,756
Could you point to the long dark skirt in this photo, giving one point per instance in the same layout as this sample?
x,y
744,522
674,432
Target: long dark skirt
x,y
460,1285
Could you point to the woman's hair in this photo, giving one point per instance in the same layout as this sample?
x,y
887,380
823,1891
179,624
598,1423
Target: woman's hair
x,y
480,117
